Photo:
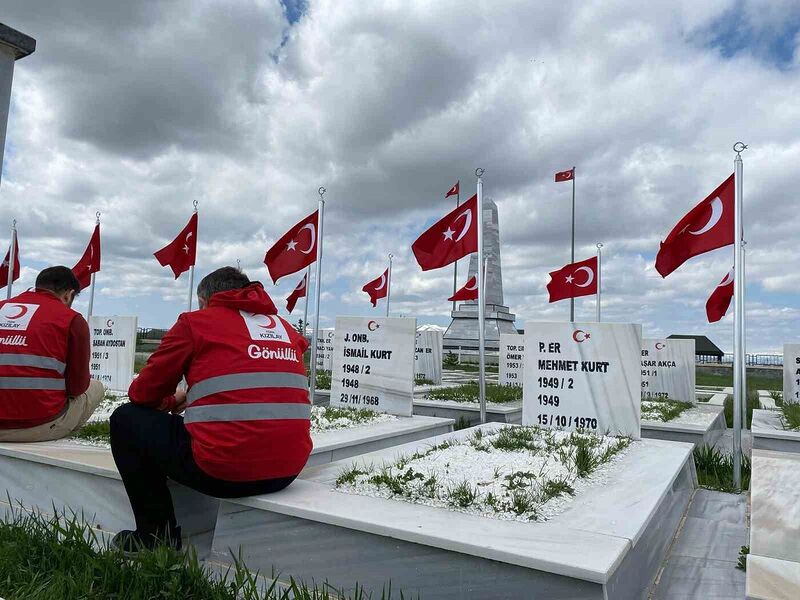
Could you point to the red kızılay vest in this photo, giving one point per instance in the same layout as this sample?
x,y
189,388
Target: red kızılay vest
x,y
34,328
248,411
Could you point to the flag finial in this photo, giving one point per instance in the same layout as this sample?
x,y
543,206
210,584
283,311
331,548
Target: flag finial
x,y
13,223
97,217
321,191
599,245
739,147
479,172
194,203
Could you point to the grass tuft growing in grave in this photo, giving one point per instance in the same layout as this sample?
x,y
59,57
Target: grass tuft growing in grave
x,y
790,416
422,380
663,410
752,404
61,558
468,392
525,473
715,470
94,432
323,380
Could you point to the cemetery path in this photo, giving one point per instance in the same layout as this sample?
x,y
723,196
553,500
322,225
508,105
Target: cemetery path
x,y
701,564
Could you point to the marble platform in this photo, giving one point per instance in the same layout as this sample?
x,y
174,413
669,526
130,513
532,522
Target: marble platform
x,y
774,526
702,434
769,434
606,545
469,412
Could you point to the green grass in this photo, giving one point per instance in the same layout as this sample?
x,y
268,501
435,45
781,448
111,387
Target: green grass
x,y
468,392
790,416
752,404
323,380
96,432
754,382
663,410
422,380
741,562
469,367
715,469
61,558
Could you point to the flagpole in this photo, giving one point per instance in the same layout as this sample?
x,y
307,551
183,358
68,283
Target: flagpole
x,y
12,258
389,285
481,300
455,264
317,288
191,269
738,320
599,276
305,311
572,300
91,285
744,328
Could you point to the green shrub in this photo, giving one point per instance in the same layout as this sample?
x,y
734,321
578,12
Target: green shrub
x,y
752,404
715,469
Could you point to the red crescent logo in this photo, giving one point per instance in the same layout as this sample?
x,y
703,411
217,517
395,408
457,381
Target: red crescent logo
x,y
271,324
660,345
581,336
22,311
372,325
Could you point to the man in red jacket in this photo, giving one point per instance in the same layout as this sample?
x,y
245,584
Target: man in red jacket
x,y
246,429
45,389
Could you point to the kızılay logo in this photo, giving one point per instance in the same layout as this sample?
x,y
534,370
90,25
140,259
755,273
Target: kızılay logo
x,y
15,316
265,328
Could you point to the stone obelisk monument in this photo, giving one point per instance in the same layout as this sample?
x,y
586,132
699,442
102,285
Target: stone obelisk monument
x,y
462,335
13,46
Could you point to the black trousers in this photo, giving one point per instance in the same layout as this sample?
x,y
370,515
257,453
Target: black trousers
x,y
150,446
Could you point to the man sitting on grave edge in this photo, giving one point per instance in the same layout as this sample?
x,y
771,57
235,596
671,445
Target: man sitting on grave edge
x,y
247,425
45,389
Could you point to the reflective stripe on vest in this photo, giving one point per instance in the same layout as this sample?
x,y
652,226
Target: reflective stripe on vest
x,y
247,412
245,381
32,383
31,360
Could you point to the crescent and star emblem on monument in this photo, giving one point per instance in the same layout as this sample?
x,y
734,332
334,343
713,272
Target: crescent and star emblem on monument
x,y
581,336
660,345
373,325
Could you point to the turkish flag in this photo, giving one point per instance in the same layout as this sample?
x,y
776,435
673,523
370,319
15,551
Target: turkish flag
x,y
90,261
450,238
720,299
378,288
565,175
297,293
706,227
574,280
180,253
468,292
6,261
453,191
295,250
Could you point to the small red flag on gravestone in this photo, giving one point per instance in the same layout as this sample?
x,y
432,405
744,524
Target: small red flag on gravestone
x,y
706,227
180,254
453,191
468,292
90,261
4,266
295,250
297,293
378,288
720,299
574,280
565,175
450,238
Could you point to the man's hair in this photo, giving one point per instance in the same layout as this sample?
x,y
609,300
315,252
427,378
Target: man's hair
x,y
221,280
58,280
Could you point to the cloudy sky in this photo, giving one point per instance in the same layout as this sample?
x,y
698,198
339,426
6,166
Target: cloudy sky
x,y
136,108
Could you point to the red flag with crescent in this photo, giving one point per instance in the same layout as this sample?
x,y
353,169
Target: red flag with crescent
x,y
6,261
453,191
706,227
565,175
574,280
297,293
295,250
90,261
468,292
720,299
452,237
180,254
378,288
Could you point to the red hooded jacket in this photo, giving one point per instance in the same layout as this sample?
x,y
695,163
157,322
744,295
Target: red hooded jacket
x,y
248,410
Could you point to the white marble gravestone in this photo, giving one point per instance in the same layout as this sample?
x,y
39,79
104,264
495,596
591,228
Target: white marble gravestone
x,y
428,356
325,349
791,373
113,351
668,369
583,376
373,364
511,360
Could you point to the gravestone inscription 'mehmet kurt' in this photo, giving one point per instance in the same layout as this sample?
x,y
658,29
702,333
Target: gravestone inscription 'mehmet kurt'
x,y
583,376
373,364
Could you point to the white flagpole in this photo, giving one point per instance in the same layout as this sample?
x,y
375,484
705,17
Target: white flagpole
x,y
744,329
389,285
455,264
481,300
572,246
12,258
91,285
305,311
191,269
599,277
317,289
738,320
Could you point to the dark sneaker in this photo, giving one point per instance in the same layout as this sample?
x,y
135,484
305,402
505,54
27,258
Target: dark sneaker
x,y
131,542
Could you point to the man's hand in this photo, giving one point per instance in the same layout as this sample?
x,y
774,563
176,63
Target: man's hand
x,y
180,402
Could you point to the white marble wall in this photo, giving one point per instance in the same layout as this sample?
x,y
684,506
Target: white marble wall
x,y
428,355
511,360
791,373
668,369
